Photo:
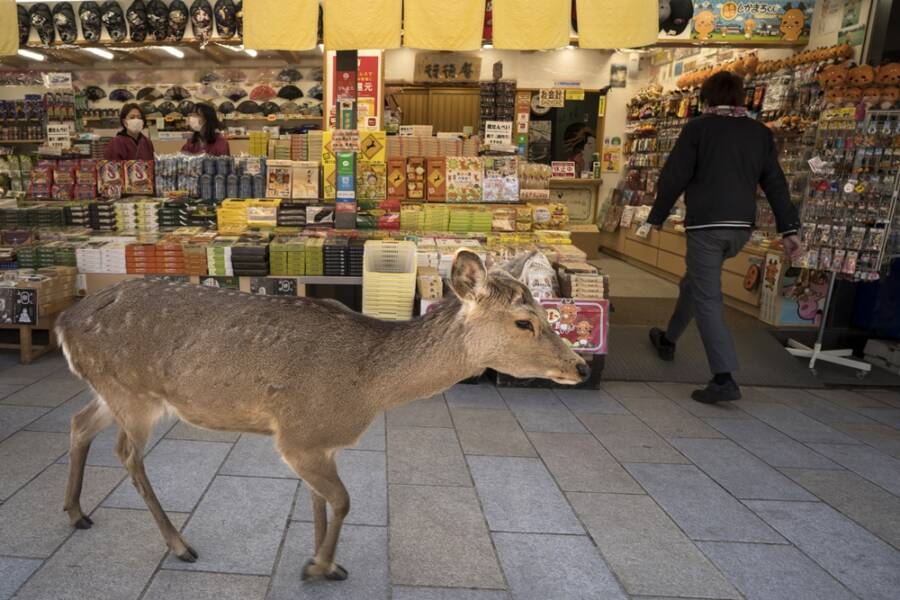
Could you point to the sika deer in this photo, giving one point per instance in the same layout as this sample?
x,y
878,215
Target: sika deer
x,y
311,373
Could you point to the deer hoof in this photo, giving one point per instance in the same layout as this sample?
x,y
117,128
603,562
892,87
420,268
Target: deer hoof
x,y
83,523
188,554
339,573
311,569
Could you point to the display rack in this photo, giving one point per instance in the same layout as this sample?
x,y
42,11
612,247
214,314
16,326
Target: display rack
x,y
849,211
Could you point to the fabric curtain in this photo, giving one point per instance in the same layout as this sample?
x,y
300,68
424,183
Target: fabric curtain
x,y
362,24
532,24
617,24
9,28
280,25
443,24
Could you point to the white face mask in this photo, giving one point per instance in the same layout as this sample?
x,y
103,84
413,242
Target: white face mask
x,y
194,123
134,125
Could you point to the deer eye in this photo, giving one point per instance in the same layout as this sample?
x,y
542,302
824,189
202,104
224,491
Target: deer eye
x,y
526,325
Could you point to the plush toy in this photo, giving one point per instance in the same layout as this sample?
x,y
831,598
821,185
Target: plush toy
x,y
871,96
888,74
852,96
834,75
861,76
834,97
889,97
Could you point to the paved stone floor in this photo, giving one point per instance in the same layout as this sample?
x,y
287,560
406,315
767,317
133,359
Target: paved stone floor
x,y
633,491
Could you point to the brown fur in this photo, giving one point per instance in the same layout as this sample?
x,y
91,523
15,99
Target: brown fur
x,y
309,372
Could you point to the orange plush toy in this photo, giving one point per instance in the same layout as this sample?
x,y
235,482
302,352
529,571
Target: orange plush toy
x,y
871,96
834,75
888,74
852,96
889,97
861,76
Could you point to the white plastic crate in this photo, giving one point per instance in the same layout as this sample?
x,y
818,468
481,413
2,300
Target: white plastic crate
x,y
389,279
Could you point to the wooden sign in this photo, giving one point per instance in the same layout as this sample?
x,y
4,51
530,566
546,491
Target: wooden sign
x,y
552,98
440,66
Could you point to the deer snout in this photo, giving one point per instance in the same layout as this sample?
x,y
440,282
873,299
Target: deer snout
x,y
584,370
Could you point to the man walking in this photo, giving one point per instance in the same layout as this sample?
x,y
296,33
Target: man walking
x,y
718,161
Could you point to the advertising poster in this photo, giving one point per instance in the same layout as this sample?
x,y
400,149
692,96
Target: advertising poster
x,y
368,85
760,22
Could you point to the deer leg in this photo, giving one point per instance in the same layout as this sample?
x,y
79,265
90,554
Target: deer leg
x,y
320,515
89,421
318,470
130,450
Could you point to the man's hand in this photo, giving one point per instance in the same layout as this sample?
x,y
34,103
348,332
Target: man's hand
x,y
793,247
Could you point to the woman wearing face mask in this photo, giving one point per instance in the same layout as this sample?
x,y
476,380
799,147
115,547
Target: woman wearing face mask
x,y
207,138
130,143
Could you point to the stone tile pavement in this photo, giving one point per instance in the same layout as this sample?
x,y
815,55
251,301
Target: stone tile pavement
x,y
629,492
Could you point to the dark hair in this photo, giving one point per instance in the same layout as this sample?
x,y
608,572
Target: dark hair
x,y
211,123
723,89
124,113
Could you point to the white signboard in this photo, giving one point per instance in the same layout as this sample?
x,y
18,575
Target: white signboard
x,y
498,133
59,135
552,98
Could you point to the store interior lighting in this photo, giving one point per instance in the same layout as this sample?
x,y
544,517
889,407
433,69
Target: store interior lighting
x,y
31,55
251,53
173,51
101,53
487,47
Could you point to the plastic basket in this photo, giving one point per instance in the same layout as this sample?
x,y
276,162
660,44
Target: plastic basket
x,y
389,279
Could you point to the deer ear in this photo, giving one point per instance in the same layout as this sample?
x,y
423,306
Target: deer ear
x,y
468,274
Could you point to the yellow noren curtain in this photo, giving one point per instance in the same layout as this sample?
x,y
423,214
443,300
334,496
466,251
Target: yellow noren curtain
x,y
531,24
9,28
443,24
361,24
280,25
617,24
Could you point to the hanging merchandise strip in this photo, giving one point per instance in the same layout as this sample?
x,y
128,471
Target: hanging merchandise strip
x,y
852,195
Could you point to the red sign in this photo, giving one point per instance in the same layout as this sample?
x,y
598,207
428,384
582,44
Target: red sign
x,y
563,168
583,325
368,72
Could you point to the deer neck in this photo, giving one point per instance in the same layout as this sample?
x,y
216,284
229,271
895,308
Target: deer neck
x,y
429,354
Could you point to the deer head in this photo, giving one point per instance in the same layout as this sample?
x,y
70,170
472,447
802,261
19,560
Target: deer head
x,y
506,329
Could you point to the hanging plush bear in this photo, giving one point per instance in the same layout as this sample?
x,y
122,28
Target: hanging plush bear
x,y
158,19
239,17
675,15
178,20
66,24
202,20
91,23
42,21
136,15
226,25
114,19
24,25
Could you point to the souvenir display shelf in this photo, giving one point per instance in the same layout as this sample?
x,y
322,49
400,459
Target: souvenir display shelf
x,y
850,209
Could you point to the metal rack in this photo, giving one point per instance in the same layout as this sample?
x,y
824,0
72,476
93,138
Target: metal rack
x,y
877,168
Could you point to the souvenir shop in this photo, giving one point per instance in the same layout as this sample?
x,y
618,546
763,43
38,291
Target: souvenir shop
x,y
348,148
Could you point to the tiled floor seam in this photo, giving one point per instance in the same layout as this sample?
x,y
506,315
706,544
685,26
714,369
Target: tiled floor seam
x,y
565,495
284,532
190,514
25,427
802,552
72,531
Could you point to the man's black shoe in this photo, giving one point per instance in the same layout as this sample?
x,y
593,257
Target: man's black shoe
x,y
664,347
718,392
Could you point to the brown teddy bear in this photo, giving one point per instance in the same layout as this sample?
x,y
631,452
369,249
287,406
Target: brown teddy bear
x,y
834,75
871,96
888,74
852,96
861,76
889,97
